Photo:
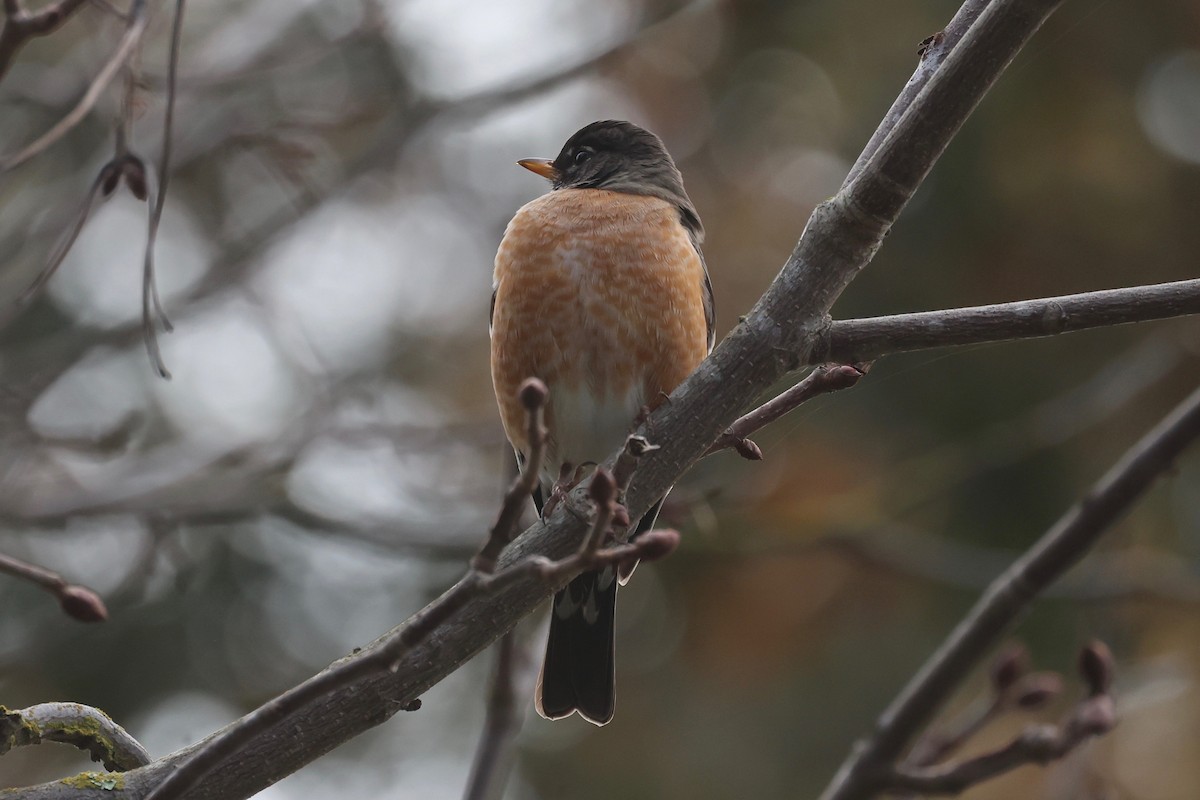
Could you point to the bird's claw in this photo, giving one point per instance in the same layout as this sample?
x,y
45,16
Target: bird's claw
x,y
568,478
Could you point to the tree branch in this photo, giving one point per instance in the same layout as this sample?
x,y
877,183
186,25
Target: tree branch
x,y
133,33
404,124
82,726
481,580
869,338
824,379
865,772
1037,744
512,686
533,395
1013,689
933,52
152,310
775,337
20,27
78,602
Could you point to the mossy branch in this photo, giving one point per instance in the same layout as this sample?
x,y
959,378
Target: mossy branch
x,y
75,724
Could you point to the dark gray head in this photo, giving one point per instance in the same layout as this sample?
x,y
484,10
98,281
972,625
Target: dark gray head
x,y
621,157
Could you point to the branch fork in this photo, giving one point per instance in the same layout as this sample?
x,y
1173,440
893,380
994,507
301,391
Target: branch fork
x,y
927,771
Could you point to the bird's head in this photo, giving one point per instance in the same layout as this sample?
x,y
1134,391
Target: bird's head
x,y
618,156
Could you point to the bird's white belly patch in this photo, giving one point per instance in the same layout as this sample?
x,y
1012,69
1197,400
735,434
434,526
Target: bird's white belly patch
x,y
589,427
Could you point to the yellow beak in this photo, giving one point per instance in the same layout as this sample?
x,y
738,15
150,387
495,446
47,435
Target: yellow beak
x,y
541,166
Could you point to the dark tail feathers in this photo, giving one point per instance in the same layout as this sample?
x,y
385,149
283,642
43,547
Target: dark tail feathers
x,y
579,673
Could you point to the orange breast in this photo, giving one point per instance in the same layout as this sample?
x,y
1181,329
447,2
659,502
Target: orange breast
x,y
600,295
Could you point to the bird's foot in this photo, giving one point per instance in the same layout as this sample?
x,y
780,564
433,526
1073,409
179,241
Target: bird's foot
x,y
568,478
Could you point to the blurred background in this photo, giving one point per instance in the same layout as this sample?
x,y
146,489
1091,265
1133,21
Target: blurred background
x,y
328,454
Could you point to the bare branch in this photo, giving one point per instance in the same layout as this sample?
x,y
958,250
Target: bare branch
x,y
933,52
1013,688
386,655
1038,744
635,448
20,27
108,173
841,237
533,394
519,90
1059,549
385,658
133,34
512,686
78,602
82,726
822,380
152,310
872,337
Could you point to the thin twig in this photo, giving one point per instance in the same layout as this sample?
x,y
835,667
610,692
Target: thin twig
x,y
512,685
1037,744
125,166
286,57
152,310
78,602
636,447
824,379
75,724
103,177
603,492
871,337
133,34
20,26
533,395
864,772
1013,688
489,770
482,102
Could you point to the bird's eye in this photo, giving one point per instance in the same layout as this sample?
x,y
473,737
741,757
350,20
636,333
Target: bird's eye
x,y
582,156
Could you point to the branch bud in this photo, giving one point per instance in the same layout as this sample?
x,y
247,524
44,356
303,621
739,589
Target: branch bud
x,y
1008,667
602,489
110,176
657,543
747,449
82,604
1096,665
135,176
533,394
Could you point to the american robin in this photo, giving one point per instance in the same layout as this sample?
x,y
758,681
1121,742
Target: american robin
x,y
601,292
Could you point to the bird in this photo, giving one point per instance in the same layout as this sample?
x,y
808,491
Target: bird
x,y
600,290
